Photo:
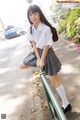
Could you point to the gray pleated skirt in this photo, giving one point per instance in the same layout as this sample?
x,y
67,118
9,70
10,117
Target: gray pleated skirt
x,y
52,63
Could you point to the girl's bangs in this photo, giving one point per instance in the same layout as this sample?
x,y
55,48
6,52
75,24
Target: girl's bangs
x,y
33,10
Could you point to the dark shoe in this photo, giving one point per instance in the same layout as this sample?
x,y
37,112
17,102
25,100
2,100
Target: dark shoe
x,y
68,108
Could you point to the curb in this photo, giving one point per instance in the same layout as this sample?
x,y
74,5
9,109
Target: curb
x,y
37,110
37,106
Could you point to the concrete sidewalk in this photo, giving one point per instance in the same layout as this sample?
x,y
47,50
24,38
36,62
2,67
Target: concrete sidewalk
x,y
22,94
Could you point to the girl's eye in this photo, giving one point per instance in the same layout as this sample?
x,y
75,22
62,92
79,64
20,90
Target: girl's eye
x,y
35,13
30,14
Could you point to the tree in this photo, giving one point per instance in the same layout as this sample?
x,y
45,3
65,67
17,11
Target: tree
x,y
56,9
1,25
29,1
60,8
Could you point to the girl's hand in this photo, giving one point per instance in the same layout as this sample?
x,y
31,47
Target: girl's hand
x,y
41,63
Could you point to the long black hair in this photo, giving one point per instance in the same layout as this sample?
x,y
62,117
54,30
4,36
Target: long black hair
x,y
35,8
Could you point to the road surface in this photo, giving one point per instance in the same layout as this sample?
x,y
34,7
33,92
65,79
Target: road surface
x,y
15,85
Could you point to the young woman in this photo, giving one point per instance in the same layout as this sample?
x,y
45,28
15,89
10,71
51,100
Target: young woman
x,y
40,35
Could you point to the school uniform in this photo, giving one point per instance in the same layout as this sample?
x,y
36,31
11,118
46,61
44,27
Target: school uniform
x,y
43,36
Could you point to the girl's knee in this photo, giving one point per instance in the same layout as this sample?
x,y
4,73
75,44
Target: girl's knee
x,y
55,80
22,66
54,77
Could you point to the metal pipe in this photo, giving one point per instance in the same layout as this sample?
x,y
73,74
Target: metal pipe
x,y
53,100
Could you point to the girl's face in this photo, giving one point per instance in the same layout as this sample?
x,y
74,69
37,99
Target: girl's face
x,y
34,18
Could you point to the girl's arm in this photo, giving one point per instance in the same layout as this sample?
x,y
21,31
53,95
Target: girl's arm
x,y
48,43
45,50
36,50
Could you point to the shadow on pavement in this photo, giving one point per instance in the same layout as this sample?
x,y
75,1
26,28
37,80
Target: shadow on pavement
x,y
73,115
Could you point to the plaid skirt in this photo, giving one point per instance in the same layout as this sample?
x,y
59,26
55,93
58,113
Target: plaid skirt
x,y
52,63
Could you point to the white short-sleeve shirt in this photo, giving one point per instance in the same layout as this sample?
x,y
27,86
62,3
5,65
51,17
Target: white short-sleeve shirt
x,y
41,36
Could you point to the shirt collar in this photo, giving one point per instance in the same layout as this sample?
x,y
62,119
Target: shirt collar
x,y
39,27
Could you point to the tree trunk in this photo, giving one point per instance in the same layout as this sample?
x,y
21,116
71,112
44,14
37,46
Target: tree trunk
x,y
29,1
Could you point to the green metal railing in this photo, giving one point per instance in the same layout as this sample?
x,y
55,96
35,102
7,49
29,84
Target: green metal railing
x,y
56,111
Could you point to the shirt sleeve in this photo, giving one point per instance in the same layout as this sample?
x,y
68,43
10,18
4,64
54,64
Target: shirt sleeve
x,y
48,37
29,36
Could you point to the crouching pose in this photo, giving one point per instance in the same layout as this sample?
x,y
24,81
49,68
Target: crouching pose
x,y
40,36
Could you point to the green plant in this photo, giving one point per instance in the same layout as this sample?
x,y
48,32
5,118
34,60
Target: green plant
x,y
63,21
76,39
72,22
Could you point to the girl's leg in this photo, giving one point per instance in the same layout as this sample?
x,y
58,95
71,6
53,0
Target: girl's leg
x,y
23,66
60,89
